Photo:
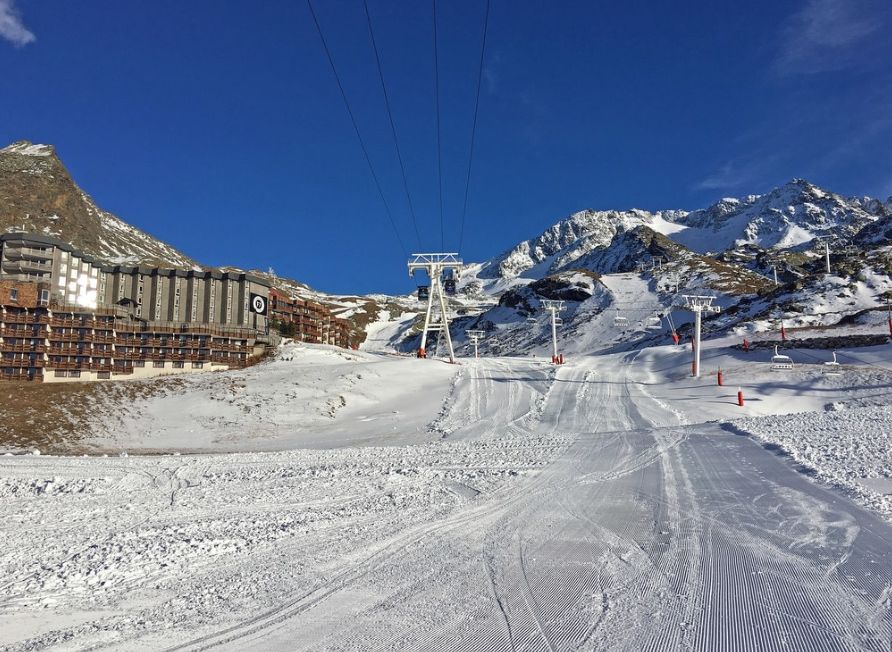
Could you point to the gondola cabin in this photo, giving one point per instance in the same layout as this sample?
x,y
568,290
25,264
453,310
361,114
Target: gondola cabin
x,y
424,291
449,286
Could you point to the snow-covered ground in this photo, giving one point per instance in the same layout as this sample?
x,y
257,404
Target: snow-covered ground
x,y
505,503
309,396
849,448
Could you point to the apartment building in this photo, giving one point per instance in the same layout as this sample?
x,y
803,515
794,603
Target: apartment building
x,y
152,293
64,315
313,322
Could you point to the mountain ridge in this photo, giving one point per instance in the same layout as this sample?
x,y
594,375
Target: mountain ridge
x,y
38,193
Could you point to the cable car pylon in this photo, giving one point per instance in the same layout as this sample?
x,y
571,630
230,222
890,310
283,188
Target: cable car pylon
x,y
436,265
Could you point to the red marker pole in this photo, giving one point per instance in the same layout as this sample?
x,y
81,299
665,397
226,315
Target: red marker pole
x,y
719,377
677,339
746,344
739,397
783,333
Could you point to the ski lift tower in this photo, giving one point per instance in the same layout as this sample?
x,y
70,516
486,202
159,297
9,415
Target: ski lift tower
x,y
475,336
436,265
697,305
826,240
554,307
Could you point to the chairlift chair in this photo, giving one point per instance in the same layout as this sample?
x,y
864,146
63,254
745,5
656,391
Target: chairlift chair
x,y
532,320
832,368
619,320
653,323
558,321
780,362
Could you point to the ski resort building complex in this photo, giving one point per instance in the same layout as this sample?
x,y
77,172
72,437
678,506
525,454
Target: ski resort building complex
x,y
65,315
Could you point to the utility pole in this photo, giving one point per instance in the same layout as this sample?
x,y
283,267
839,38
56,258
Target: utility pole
x,y
435,265
554,307
697,305
475,337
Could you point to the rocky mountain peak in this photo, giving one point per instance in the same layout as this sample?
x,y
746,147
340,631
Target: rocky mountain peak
x,y
37,194
27,148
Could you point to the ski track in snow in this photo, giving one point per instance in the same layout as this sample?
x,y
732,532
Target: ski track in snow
x,y
534,507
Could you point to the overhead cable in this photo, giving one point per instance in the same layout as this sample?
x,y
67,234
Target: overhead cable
x,y
356,127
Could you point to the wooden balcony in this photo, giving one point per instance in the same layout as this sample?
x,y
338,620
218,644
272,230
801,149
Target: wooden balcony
x,y
23,348
67,350
69,365
24,333
56,336
21,363
21,376
22,318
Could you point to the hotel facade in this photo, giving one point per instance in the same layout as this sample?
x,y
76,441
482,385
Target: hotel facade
x,y
66,316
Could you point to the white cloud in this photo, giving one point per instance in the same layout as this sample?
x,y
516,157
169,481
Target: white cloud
x,y
11,27
732,174
829,35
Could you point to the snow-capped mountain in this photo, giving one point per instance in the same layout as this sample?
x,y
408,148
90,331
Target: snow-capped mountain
x,y
787,217
38,193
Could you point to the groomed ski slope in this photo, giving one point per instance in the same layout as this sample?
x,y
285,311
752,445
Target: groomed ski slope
x,y
517,506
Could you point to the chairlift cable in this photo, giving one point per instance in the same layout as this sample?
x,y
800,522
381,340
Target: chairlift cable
x,y
439,147
362,145
396,142
464,211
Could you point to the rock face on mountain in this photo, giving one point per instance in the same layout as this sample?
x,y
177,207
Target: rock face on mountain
x,y
559,246
38,193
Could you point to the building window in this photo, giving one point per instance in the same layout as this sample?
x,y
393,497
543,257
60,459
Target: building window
x,y
13,294
197,365
178,364
158,364
44,297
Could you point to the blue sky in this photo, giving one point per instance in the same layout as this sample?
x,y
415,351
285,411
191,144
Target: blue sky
x,y
217,126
